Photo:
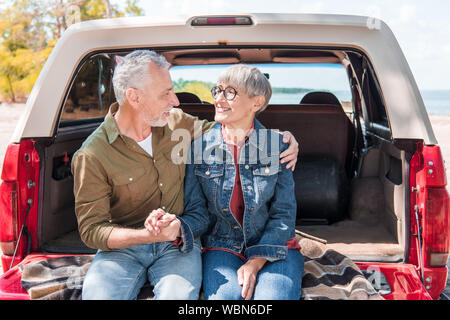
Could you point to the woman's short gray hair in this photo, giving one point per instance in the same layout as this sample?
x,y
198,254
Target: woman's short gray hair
x,y
132,71
249,79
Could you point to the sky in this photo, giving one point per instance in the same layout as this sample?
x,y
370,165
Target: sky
x,y
421,27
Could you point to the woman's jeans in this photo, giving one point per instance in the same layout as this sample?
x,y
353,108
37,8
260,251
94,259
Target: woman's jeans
x,y
278,280
120,274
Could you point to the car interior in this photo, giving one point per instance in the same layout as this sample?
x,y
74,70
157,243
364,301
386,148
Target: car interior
x,y
350,176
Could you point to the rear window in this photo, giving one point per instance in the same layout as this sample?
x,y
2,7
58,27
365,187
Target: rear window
x,y
91,92
290,82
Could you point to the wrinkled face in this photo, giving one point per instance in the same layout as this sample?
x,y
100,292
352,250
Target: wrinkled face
x,y
158,97
240,110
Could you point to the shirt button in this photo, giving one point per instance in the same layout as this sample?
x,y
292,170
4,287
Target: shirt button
x,y
246,166
164,208
250,188
131,179
160,184
267,170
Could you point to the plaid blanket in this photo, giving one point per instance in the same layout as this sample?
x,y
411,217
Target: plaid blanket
x,y
327,275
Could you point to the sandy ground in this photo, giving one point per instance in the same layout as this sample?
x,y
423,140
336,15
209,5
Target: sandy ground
x,y
10,114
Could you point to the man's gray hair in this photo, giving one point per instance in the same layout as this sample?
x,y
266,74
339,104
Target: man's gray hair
x,y
132,71
248,79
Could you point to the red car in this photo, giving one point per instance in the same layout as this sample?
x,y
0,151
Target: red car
x,y
370,177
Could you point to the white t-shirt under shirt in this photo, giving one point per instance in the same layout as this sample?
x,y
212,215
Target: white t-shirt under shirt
x,y
146,144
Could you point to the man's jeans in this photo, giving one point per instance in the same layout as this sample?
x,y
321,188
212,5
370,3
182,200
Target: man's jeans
x,y
278,280
120,274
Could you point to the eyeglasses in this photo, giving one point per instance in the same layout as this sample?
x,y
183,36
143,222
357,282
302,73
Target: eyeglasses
x,y
229,92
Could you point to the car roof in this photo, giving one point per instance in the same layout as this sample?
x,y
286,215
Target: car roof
x,y
404,105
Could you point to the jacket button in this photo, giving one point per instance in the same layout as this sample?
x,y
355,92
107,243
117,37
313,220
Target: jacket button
x,y
237,247
160,184
207,173
236,227
246,167
250,188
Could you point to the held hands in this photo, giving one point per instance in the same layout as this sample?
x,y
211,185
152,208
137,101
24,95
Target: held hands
x,y
247,276
163,225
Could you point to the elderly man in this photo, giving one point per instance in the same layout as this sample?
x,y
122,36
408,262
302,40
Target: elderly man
x,y
123,173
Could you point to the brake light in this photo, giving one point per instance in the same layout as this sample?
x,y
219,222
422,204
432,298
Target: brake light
x,y
8,200
221,21
8,217
436,228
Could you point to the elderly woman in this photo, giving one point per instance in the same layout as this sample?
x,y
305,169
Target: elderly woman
x,y
240,199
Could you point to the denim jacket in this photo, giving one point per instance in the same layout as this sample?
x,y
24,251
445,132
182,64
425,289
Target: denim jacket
x,y
268,191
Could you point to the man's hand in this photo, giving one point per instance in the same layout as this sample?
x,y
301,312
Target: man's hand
x,y
291,153
170,232
159,226
247,276
157,220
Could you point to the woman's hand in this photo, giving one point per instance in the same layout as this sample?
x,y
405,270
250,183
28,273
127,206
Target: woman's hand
x,y
247,276
291,153
158,219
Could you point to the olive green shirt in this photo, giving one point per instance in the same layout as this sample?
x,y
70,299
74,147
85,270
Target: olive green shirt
x,y
118,184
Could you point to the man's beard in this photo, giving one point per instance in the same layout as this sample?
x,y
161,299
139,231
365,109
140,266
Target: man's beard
x,y
159,122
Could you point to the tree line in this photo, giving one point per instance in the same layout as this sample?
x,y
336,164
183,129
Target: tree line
x,y
29,29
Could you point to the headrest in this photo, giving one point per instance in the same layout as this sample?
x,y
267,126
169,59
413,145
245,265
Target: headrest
x,y
320,97
187,97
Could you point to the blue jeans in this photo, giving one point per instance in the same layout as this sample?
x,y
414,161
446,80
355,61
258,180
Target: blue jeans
x,y
120,274
278,280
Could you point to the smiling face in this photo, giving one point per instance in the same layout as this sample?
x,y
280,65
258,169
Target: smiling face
x,y
238,112
157,97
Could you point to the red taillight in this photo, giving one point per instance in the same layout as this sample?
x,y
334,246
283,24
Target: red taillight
x,y
221,21
8,199
436,227
8,216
